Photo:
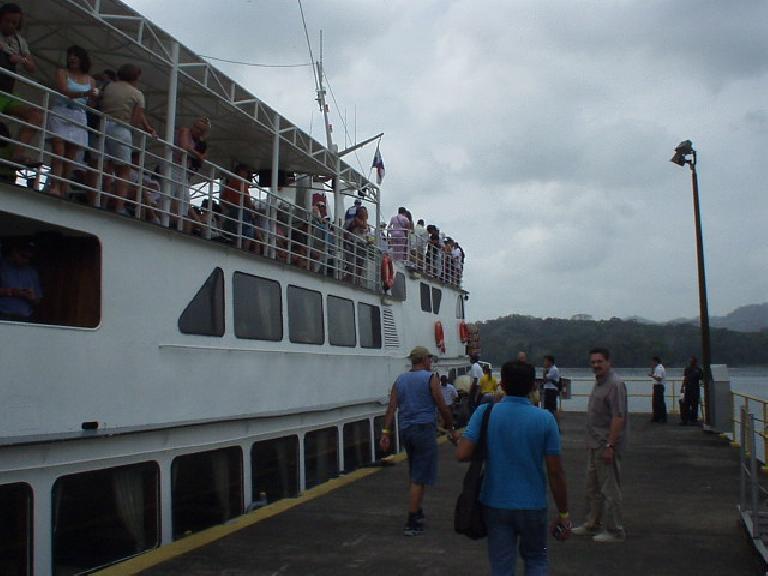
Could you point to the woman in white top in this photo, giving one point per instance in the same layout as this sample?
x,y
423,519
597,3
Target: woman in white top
x,y
67,122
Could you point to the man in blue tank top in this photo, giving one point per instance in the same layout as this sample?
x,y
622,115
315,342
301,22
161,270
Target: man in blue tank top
x,y
415,395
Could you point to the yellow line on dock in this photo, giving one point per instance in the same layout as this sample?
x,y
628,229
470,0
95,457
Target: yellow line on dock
x,y
199,539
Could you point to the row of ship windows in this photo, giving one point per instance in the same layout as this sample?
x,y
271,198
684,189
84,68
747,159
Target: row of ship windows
x,y
103,516
258,313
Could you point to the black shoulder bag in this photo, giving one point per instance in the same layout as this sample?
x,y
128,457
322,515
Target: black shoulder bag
x,y
468,515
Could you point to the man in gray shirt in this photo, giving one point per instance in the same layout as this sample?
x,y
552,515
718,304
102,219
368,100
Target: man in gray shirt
x,y
606,436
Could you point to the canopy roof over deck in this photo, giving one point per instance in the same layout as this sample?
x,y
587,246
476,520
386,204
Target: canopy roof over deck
x,y
243,126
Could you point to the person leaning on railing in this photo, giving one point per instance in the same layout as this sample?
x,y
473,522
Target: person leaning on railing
x,y
124,104
194,141
67,121
14,52
234,194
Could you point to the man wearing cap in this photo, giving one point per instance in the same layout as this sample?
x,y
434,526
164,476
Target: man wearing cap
x,y
351,213
415,394
20,287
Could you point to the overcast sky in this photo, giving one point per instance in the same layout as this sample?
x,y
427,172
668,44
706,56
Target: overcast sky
x,y
538,133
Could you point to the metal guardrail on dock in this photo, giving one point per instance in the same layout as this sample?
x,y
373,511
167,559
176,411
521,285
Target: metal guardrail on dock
x,y
753,497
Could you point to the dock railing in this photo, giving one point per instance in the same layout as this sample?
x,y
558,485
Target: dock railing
x,y
160,186
753,497
637,390
756,410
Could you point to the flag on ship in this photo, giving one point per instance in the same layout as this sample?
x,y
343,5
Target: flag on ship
x,y
378,163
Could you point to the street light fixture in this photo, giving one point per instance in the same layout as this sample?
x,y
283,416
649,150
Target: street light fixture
x,y
685,154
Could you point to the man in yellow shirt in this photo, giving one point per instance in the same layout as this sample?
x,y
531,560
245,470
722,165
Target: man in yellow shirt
x,y
488,386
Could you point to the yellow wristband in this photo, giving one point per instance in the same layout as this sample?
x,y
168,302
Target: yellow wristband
x,y
564,515
386,431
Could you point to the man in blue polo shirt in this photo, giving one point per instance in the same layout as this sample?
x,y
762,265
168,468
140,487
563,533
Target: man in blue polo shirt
x,y
521,440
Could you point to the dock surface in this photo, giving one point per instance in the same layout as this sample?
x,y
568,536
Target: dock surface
x,y
680,489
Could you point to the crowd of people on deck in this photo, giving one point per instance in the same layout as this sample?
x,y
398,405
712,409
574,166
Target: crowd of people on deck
x,y
122,181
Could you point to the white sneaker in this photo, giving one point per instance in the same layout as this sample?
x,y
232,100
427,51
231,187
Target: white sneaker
x,y
585,530
609,537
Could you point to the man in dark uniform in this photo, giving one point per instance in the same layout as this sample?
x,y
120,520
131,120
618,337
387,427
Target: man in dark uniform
x,y
689,413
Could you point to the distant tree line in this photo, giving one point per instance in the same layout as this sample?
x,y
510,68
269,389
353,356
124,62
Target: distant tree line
x,y
632,344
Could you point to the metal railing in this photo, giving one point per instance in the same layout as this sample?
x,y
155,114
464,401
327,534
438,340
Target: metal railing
x,y
159,186
753,498
671,394
757,411
419,255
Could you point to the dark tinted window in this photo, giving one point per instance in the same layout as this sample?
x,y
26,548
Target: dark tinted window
x,y
206,489
305,316
357,445
321,455
426,304
460,307
16,529
341,321
204,315
258,307
275,469
437,296
398,287
102,516
369,318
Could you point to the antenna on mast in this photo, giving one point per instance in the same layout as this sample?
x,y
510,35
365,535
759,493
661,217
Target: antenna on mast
x,y
321,96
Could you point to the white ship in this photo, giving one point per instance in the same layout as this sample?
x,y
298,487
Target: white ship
x,y
169,381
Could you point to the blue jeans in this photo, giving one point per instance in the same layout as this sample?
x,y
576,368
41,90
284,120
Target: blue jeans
x,y
509,528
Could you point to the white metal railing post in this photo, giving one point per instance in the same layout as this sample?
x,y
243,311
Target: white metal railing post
x,y
754,480
743,460
209,215
43,130
181,191
100,158
170,130
239,225
273,195
140,169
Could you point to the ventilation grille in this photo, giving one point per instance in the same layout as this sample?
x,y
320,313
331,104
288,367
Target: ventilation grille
x,y
391,341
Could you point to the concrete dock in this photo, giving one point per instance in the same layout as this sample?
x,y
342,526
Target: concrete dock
x,y
680,495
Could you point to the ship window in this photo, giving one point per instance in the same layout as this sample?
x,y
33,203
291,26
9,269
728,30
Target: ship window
x,y
398,287
426,302
258,307
305,316
437,296
357,445
64,263
16,529
341,322
275,469
460,307
206,489
378,424
204,315
370,325
102,516
321,455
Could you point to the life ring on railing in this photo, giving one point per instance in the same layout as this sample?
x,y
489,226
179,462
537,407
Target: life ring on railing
x,y
387,272
463,332
439,336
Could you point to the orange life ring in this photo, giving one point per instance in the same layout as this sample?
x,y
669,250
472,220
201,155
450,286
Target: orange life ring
x,y
463,332
387,272
439,336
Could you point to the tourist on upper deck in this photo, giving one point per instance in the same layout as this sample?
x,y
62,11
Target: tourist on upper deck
x,y
124,104
14,51
419,238
606,435
194,141
355,245
236,200
102,79
399,228
20,289
417,397
318,239
659,376
67,120
434,250
351,213
522,442
458,264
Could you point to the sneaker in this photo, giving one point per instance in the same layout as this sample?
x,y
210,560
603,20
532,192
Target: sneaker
x,y
419,517
413,528
609,537
585,530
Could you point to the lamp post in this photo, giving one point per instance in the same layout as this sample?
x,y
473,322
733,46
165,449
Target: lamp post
x,y
685,154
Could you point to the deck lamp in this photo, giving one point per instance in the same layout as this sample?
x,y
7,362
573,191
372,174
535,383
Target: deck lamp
x,y
685,154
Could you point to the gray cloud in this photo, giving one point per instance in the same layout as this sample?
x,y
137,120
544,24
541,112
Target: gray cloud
x,y
538,134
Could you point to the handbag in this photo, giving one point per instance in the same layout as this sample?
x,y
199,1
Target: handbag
x,y
468,515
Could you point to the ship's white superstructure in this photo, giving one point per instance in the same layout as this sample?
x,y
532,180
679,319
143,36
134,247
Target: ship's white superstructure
x,y
171,378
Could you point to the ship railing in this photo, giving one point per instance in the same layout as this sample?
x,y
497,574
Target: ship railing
x,y
162,191
757,412
753,497
425,258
